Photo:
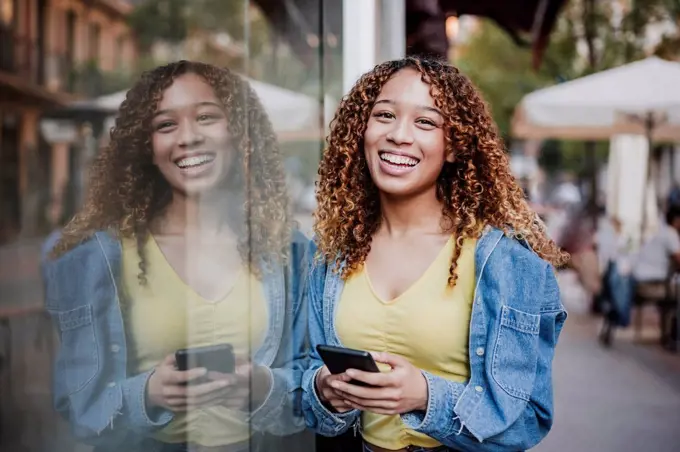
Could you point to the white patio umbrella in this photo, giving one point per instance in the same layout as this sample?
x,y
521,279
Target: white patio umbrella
x,y
291,113
638,98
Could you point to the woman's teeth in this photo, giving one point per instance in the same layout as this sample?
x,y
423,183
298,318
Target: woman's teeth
x,y
196,160
398,159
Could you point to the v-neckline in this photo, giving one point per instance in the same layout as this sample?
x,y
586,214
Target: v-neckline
x,y
412,285
186,285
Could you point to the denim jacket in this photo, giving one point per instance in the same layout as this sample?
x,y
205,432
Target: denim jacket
x,y
92,388
517,316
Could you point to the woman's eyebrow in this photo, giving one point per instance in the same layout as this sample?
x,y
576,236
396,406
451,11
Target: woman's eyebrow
x,y
419,107
198,104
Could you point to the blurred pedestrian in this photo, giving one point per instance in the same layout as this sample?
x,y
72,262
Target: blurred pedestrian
x,y
614,251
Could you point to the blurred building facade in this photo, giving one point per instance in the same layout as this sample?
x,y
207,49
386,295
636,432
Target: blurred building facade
x,y
52,52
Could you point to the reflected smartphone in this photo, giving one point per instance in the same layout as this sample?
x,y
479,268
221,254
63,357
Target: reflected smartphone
x,y
339,359
216,358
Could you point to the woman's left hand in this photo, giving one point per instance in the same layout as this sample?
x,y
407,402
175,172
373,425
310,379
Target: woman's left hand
x,y
401,390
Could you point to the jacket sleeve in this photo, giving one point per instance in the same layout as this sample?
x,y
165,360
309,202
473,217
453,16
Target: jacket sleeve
x,y
317,416
102,411
470,417
281,411
107,418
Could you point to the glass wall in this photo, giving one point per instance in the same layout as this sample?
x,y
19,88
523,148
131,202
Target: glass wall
x,y
150,222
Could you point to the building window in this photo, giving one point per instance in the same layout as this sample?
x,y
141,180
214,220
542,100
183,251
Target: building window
x,y
94,37
120,53
70,36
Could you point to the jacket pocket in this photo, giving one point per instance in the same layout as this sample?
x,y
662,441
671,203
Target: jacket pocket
x,y
515,353
77,360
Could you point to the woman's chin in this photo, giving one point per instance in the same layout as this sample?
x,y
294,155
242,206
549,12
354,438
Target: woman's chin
x,y
397,189
199,187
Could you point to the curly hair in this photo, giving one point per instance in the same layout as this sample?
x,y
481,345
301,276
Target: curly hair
x,y
126,191
476,190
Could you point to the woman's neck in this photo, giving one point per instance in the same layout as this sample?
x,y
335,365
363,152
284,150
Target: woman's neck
x,y
194,215
420,214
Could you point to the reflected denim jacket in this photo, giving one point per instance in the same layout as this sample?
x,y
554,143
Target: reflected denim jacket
x,y
517,316
92,388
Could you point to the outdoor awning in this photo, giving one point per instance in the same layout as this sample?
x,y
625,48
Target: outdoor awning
x,y
534,19
425,23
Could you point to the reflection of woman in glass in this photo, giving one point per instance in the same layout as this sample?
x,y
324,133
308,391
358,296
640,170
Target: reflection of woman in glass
x,y
432,260
181,243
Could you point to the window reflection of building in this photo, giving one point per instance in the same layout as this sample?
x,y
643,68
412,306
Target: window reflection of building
x,y
93,41
50,53
45,48
7,19
9,165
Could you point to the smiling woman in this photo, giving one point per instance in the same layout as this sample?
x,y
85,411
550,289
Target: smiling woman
x,y
180,249
192,145
198,112
405,156
430,258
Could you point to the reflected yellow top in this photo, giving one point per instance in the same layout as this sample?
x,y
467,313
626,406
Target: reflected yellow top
x,y
428,325
166,315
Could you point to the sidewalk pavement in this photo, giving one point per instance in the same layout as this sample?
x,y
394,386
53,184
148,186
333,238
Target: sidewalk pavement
x,y
622,399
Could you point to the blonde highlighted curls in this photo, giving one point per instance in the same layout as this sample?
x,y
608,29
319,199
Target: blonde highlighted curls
x,y
127,192
477,189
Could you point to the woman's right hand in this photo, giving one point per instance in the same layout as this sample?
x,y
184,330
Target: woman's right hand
x,y
168,387
327,394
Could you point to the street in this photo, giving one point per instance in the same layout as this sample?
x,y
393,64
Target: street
x,y
608,401
623,399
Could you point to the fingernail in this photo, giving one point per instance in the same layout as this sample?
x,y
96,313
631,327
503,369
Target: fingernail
x,y
335,385
350,373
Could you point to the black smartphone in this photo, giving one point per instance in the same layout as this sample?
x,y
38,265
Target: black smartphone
x,y
339,359
216,358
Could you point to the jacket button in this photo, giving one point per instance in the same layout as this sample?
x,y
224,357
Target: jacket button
x,y
479,389
111,384
115,348
480,351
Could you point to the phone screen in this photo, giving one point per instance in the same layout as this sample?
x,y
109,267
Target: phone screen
x,y
339,359
216,358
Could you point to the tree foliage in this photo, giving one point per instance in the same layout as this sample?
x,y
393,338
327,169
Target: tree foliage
x,y
173,20
590,36
264,56
501,70
159,20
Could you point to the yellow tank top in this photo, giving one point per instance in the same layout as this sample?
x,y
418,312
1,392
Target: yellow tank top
x,y
428,325
166,315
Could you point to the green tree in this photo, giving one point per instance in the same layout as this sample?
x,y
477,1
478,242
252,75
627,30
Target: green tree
x,y
173,21
155,20
608,34
502,70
